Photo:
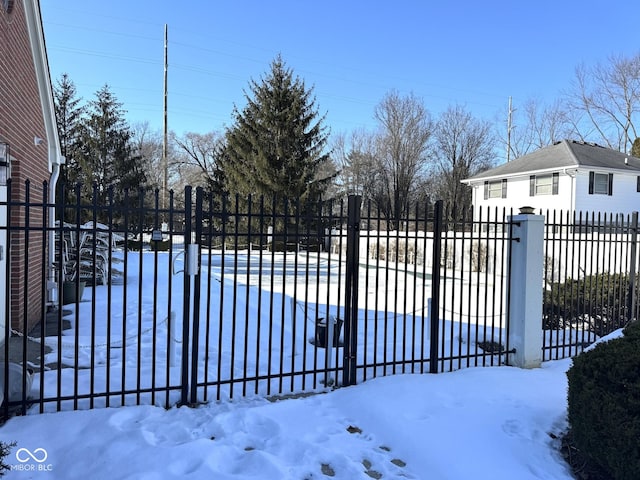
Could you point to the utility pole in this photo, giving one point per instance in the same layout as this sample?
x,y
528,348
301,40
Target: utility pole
x,y
165,166
509,132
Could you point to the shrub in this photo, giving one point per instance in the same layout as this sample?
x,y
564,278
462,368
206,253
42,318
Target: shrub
x,y
135,245
160,245
604,404
479,252
597,301
281,246
5,449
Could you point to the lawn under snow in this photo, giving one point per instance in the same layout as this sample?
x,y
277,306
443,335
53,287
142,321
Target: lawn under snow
x,y
476,423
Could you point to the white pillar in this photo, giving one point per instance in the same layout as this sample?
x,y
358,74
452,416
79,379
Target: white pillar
x,y
525,287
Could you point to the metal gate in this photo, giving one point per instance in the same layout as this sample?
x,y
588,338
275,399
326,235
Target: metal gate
x,y
290,298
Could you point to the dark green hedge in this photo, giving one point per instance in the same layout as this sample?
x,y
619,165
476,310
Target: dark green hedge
x,y
604,404
280,246
160,245
597,301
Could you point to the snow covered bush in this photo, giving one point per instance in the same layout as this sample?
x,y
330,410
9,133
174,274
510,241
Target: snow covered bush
x,y
604,404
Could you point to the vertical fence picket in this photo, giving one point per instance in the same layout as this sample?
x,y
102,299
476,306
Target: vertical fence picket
x,y
247,299
224,216
208,217
25,286
283,303
171,320
434,315
44,239
6,203
376,328
261,246
154,315
443,281
109,296
633,259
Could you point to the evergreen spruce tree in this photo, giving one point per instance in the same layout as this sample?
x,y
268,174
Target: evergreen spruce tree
x,y
107,153
635,149
69,119
276,145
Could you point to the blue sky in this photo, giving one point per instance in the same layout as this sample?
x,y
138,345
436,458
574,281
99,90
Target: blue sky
x,y
476,54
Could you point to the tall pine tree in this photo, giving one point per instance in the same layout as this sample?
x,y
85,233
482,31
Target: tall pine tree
x,y
69,118
276,145
108,156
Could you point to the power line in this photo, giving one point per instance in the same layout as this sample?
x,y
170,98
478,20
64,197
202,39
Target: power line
x,y
341,78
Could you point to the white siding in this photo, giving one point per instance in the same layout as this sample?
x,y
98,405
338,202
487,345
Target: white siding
x,y
518,196
573,195
625,198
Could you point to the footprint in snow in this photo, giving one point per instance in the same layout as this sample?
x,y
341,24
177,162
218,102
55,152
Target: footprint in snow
x,y
380,462
511,428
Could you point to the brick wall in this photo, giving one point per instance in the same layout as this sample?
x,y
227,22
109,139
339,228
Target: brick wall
x,y
21,119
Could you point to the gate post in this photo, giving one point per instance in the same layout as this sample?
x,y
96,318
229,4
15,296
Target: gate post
x,y
194,272
434,319
186,307
526,250
351,292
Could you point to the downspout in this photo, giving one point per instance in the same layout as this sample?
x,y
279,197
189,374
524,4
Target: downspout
x,y
572,175
52,283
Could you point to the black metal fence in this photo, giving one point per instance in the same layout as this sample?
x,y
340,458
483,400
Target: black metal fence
x,y
197,297
208,298
591,284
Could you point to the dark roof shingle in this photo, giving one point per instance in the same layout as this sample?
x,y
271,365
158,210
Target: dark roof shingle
x,y
564,154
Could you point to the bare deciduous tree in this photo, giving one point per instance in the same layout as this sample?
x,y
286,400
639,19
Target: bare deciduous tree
x,y
198,158
608,97
355,158
463,147
539,126
148,145
405,130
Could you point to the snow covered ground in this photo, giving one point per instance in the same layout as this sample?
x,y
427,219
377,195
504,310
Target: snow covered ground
x,y
257,320
475,423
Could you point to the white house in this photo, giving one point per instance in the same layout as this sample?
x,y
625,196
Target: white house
x,y
567,176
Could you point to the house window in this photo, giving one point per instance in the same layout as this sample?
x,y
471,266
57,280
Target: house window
x,y
496,189
543,184
600,183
